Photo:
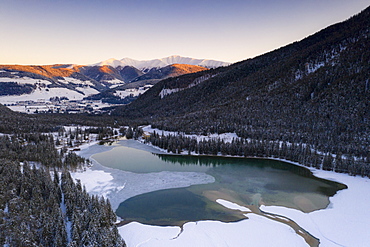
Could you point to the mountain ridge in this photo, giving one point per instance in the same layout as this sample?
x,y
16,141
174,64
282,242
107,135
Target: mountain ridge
x,y
159,63
171,70
82,81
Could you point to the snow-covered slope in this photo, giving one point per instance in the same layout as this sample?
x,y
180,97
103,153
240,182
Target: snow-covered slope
x,y
69,87
42,94
159,63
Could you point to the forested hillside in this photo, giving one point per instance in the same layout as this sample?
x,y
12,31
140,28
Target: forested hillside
x,y
40,204
314,92
37,210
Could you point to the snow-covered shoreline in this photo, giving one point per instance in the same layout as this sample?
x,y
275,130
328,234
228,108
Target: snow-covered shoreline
x,y
344,223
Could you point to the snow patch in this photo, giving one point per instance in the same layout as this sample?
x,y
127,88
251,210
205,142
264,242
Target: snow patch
x,y
114,82
24,80
99,182
311,68
42,94
68,223
132,91
232,205
71,80
255,231
87,90
165,91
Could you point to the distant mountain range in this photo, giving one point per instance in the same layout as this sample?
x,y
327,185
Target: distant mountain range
x,y
79,81
160,63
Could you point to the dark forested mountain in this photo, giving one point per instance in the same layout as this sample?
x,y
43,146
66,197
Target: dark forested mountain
x,y
129,73
315,91
105,73
102,74
169,71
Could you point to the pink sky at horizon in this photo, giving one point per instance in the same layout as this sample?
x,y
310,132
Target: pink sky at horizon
x,y
44,32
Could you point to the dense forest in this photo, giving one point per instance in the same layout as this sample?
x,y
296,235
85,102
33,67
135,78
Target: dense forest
x,y
297,152
39,210
40,149
12,88
40,204
313,92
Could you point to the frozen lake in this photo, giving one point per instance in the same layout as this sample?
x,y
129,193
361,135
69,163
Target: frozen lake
x,y
249,182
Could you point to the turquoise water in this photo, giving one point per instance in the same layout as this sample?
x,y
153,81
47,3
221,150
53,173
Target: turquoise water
x,y
275,182
139,161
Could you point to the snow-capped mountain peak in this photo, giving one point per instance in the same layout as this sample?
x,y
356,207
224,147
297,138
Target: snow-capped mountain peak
x,y
159,63
111,62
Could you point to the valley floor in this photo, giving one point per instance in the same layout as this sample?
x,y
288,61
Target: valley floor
x,y
344,223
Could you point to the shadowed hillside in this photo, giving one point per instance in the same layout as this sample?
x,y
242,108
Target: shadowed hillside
x,y
315,91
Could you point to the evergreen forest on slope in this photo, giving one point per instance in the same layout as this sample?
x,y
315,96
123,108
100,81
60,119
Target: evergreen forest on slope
x,y
40,204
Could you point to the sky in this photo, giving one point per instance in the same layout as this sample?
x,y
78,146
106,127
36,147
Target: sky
x,y
40,32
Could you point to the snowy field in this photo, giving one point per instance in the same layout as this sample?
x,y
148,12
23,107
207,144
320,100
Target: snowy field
x,y
24,80
345,222
42,93
41,98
